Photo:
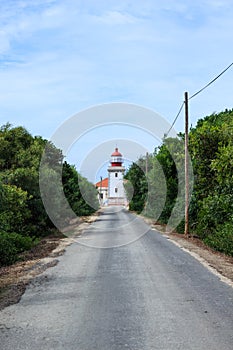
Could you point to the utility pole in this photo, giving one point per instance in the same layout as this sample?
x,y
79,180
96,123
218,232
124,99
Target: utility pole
x,y
186,231
101,190
147,154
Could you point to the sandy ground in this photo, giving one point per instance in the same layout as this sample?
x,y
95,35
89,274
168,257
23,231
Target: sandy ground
x,y
14,278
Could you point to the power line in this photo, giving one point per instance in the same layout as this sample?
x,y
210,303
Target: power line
x,y
180,110
196,93
211,82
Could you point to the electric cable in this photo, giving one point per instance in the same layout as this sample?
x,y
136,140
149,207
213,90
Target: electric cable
x,y
211,82
180,110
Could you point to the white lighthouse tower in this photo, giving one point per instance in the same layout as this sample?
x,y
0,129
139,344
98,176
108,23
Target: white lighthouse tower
x,y
116,191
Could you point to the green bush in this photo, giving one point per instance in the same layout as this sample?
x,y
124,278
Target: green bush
x,y
81,194
222,239
22,243
8,251
214,211
181,227
14,211
12,244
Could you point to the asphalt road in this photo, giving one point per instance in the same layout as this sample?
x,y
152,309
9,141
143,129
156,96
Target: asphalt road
x,y
143,295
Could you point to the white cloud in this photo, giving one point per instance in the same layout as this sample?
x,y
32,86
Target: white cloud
x,y
60,57
22,20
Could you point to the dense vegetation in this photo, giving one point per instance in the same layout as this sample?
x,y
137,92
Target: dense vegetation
x,y
23,219
211,207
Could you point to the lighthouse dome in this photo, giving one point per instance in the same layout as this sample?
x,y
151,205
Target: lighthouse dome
x,y
116,153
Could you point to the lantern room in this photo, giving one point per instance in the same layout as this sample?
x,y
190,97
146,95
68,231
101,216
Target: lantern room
x,y
116,158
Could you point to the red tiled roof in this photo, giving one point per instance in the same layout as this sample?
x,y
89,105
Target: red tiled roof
x,y
103,183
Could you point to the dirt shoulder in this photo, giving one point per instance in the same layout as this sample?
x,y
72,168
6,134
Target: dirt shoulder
x,y
14,278
218,263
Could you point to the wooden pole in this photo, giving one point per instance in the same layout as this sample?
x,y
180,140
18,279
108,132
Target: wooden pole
x,y
147,154
101,201
186,231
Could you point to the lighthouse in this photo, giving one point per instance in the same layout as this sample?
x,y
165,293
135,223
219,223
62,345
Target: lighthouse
x,y
116,191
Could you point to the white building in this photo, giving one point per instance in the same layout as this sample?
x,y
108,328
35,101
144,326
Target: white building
x,y
102,188
116,191
111,189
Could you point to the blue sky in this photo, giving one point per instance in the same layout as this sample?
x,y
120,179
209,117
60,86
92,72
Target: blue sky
x,y
61,57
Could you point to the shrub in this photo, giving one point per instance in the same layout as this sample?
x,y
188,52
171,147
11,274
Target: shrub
x,y
222,239
8,251
14,211
12,244
214,211
22,243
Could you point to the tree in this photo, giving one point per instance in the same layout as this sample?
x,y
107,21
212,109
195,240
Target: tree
x,y
211,206
13,140
22,212
81,195
211,149
137,180
14,210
